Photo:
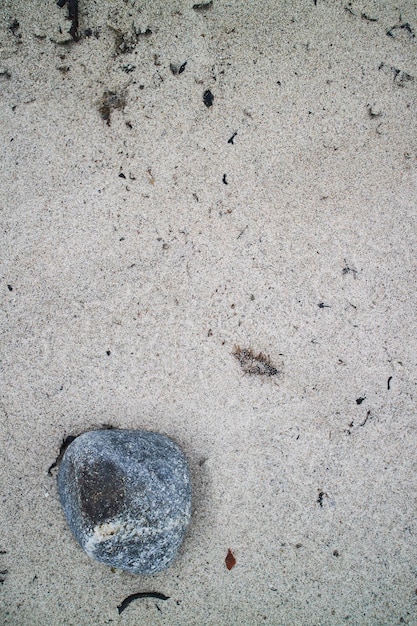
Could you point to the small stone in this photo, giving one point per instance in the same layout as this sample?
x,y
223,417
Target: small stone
x,y
126,495
208,98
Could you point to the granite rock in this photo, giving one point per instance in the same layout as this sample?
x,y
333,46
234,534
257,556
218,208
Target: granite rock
x,y
126,495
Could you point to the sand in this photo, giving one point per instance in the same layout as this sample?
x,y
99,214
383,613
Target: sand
x,y
148,240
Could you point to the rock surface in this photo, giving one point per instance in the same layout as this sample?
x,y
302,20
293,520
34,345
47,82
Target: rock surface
x,y
126,495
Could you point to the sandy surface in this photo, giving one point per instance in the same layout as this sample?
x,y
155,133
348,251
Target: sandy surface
x,y
140,246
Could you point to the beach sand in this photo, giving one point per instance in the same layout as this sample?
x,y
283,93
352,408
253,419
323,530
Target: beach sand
x,y
236,276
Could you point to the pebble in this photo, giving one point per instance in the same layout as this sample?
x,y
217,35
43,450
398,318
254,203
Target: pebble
x,y
126,495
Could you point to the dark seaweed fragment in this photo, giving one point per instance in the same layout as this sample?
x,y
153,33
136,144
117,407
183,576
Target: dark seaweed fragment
x,y
72,16
64,445
203,6
142,594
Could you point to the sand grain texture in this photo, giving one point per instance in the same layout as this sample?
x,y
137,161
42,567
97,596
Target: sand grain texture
x,y
145,235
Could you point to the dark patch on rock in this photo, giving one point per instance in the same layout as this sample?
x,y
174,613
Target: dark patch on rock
x,y
102,490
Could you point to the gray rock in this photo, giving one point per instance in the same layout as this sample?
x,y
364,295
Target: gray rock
x,y
126,495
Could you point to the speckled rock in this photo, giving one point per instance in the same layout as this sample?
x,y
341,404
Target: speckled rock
x,y
126,495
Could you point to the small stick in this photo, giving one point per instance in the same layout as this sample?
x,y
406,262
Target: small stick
x,y
142,594
73,16
242,231
366,418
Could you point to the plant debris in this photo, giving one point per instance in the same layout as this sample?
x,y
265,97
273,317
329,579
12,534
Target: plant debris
x,y
64,445
109,102
401,27
350,270
367,18
254,364
126,41
320,497
368,415
142,594
230,560
203,6
73,16
372,113
400,77
14,27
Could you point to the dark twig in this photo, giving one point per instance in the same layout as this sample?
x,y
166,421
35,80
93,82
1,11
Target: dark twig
x,y
73,16
368,415
65,443
142,594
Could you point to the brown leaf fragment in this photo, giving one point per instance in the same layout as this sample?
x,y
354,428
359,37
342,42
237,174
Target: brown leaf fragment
x,y
254,364
230,560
